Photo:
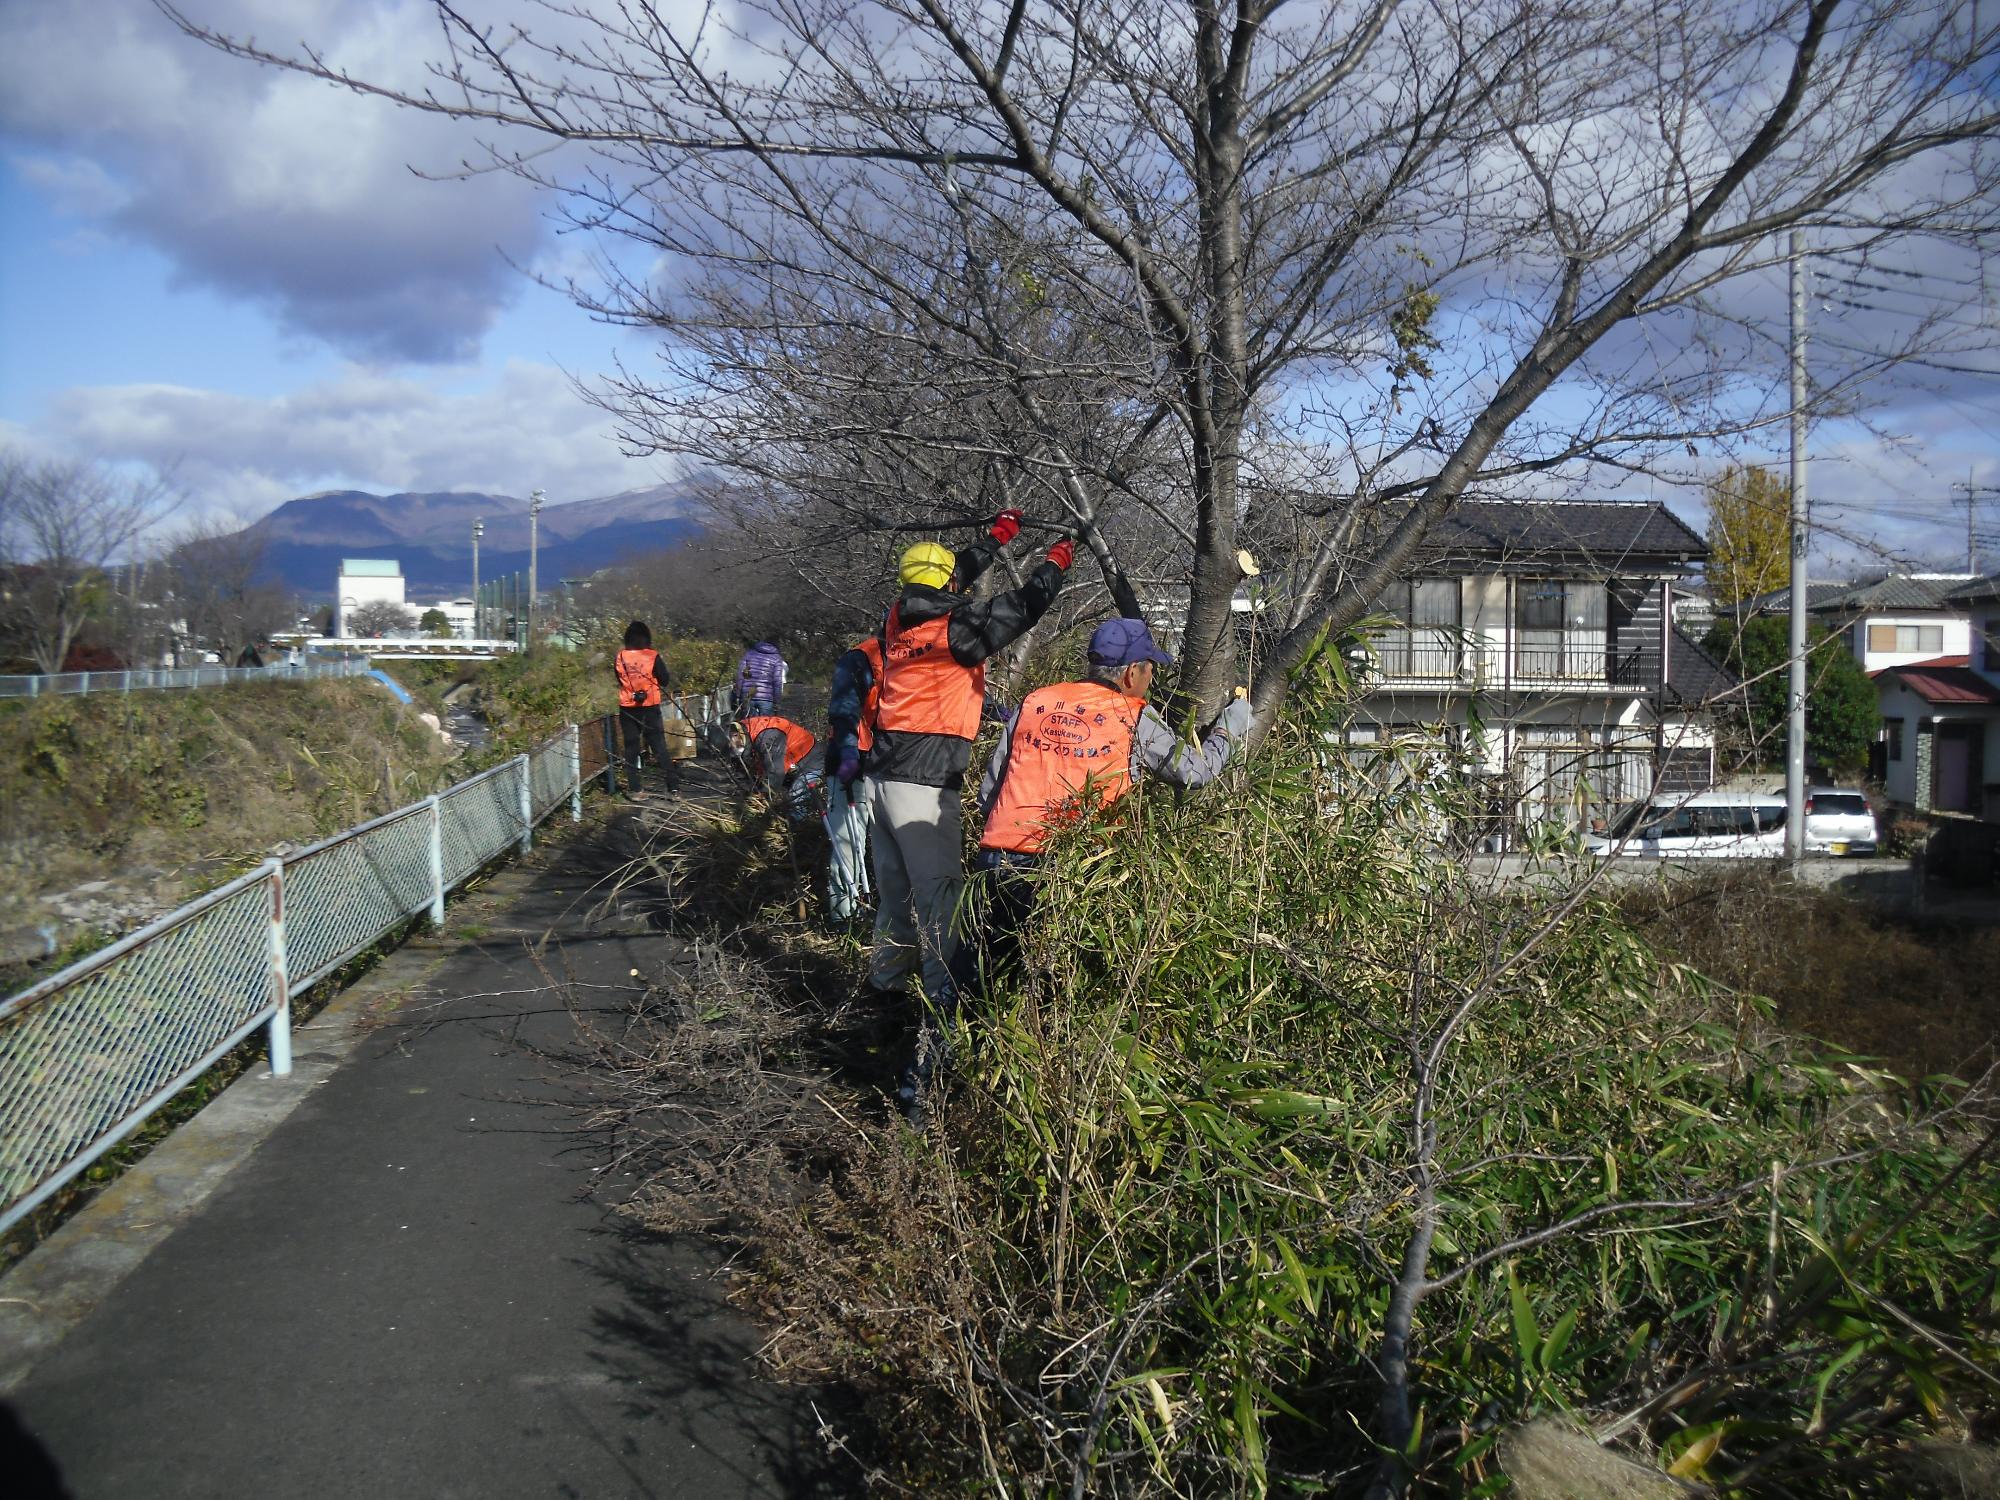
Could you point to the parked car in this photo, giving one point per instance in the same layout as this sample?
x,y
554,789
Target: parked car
x,y
1839,821
1708,825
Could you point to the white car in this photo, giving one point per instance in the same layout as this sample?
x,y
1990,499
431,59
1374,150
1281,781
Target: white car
x,y
1707,825
1839,821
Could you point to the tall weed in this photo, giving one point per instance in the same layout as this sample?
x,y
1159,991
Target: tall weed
x,y
1303,1160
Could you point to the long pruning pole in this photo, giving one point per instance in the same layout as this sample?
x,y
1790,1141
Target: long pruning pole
x,y
1795,697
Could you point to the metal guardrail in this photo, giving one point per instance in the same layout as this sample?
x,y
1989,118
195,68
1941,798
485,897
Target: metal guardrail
x,y
138,679
87,1054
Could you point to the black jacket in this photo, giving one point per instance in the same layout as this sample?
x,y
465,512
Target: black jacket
x,y
977,628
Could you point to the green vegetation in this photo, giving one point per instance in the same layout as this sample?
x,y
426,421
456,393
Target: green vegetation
x,y
1841,712
1302,1160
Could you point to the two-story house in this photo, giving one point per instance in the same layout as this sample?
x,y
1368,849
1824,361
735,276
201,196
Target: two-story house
x,y
1890,620
1940,745
1538,636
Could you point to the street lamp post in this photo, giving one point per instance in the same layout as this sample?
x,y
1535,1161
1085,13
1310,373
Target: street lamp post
x,y
478,531
535,502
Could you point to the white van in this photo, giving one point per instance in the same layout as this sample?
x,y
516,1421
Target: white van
x,y
1708,825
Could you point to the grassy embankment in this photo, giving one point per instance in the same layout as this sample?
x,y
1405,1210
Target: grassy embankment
x,y
1299,1158
146,799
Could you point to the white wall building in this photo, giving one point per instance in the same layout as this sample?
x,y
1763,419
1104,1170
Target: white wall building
x,y
457,611
365,580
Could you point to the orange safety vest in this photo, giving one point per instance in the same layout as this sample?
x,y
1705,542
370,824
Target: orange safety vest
x,y
1071,750
637,686
871,701
924,690
798,742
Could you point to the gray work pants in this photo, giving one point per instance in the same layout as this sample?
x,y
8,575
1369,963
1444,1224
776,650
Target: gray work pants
x,y
918,879
849,810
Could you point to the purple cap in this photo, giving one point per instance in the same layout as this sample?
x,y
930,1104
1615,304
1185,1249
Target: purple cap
x,y
1121,642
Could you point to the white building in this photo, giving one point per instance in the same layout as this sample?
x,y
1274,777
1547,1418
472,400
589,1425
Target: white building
x,y
1940,745
365,580
458,611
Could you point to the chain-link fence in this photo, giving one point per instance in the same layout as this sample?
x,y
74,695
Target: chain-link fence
x,y
54,684
89,1053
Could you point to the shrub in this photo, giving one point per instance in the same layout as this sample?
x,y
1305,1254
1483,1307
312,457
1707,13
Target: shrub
x,y
1304,1159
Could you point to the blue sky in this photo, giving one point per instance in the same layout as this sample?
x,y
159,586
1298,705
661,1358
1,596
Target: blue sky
x,y
235,273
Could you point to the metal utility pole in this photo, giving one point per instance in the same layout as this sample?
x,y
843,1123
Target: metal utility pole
x,y
1795,697
534,512
1973,492
478,531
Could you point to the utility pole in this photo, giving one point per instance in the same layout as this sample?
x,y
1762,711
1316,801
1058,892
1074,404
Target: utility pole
x,y
1972,493
478,531
534,513
1795,698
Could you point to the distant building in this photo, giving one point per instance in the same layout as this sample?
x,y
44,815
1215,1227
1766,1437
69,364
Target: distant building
x,y
457,611
365,580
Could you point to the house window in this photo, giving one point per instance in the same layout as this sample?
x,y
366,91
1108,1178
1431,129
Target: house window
x,y
1560,628
1906,639
1892,735
1427,644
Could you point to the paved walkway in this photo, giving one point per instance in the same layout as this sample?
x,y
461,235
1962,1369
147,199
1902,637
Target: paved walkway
x,y
411,1287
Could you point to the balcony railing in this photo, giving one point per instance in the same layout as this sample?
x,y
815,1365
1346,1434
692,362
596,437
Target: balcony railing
x,y
1442,654
1421,654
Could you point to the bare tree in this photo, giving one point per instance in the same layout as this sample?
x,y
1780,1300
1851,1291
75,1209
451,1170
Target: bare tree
x,y
381,617
1350,260
218,588
64,525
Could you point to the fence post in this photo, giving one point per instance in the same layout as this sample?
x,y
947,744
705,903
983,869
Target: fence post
x,y
575,733
527,803
437,860
280,1026
609,725
35,686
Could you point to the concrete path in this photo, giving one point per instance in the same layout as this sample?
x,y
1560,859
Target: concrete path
x,y
413,1286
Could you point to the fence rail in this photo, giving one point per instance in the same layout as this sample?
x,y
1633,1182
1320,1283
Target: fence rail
x,y
53,684
87,1054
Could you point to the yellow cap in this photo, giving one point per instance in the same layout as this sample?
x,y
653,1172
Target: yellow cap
x,y
927,563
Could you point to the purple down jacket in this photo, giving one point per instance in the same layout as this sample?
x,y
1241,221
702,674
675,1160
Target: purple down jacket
x,y
761,676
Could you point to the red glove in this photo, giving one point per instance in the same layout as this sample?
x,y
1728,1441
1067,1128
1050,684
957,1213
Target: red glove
x,y
1063,553
1006,526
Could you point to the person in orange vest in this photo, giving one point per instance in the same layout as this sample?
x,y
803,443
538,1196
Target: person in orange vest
x,y
772,747
850,791
935,645
1072,750
642,688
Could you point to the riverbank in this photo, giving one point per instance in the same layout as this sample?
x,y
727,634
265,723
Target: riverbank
x,y
115,809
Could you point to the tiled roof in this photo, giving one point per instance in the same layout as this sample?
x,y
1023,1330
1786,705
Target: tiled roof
x,y
1693,676
1947,679
1601,532
1979,591
1901,591
1887,591
1777,601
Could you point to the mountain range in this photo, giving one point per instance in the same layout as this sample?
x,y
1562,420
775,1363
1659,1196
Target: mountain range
x,y
430,535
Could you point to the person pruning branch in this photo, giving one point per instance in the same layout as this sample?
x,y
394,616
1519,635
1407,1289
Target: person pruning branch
x,y
935,645
1074,749
772,749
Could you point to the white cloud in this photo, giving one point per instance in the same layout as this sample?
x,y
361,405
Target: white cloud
x,y
267,185
238,456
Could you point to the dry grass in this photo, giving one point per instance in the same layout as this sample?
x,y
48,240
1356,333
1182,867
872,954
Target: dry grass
x,y
164,794
1922,995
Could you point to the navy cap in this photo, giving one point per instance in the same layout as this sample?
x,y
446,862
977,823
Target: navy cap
x,y
1121,642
